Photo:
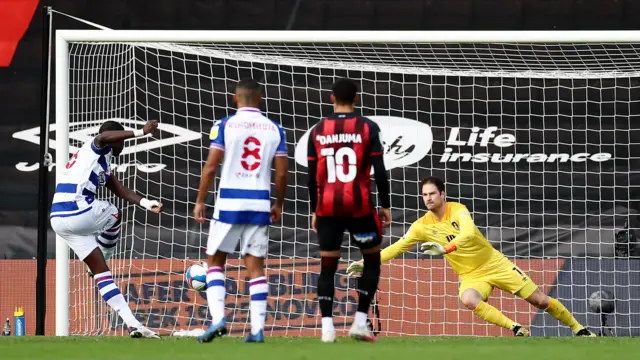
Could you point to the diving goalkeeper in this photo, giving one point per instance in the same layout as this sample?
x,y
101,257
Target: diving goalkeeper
x,y
448,230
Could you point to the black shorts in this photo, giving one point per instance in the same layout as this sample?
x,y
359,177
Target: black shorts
x,y
365,231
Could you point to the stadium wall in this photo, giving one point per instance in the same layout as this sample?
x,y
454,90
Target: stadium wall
x,y
423,293
429,305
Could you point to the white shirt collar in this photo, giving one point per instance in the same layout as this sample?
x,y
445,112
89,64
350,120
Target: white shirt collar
x,y
247,108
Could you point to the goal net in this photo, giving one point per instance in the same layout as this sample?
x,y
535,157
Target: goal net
x,y
540,140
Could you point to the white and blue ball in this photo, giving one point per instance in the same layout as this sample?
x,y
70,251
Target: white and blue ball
x,y
196,277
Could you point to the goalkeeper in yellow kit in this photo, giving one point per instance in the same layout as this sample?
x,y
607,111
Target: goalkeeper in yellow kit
x,y
448,230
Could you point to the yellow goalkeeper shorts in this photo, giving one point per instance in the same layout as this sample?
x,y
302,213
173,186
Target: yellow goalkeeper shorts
x,y
504,275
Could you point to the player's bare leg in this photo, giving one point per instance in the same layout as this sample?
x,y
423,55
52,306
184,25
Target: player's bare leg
x,y
216,293
472,300
112,296
258,290
555,308
326,291
367,286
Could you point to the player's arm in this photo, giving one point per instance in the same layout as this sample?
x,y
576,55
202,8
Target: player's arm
x,y
416,234
401,246
467,229
114,136
380,174
312,184
131,196
216,154
281,164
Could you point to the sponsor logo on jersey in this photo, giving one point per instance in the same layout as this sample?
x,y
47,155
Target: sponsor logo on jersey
x,y
132,146
405,141
102,179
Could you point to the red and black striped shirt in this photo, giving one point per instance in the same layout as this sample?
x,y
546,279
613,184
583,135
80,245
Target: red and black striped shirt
x,y
342,149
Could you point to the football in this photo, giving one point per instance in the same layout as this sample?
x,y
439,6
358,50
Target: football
x,y
601,301
196,277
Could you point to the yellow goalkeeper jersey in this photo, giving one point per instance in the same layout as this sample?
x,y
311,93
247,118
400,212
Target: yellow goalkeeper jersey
x,y
457,228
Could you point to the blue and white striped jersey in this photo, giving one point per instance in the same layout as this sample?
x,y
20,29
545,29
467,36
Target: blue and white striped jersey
x,y
85,173
250,141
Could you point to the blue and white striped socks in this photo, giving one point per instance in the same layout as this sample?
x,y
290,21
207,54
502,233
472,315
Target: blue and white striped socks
x,y
112,296
108,240
259,290
216,293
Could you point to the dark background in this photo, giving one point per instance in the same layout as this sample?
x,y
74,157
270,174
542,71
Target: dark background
x,y
602,198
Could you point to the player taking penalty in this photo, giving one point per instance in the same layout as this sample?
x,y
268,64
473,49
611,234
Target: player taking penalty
x,y
91,227
342,149
448,230
249,142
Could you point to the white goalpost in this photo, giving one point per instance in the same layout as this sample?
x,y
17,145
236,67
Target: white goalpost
x,y
537,132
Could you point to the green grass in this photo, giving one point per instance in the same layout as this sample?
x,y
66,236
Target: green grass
x,y
391,348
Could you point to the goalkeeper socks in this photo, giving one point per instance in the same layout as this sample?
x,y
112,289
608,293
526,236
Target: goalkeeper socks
x,y
326,289
558,311
112,296
368,282
215,293
258,290
490,314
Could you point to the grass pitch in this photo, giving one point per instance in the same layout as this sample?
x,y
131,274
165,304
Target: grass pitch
x,y
392,348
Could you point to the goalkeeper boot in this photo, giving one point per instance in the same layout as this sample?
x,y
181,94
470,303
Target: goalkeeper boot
x,y
584,332
519,330
214,330
257,338
362,333
142,332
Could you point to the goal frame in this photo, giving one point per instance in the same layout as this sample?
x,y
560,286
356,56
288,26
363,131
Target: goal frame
x,y
64,37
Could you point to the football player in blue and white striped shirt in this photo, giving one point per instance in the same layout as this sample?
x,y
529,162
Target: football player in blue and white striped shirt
x,y
91,227
250,143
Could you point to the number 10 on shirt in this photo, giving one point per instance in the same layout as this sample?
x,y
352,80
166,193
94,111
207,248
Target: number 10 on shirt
x,y
336,168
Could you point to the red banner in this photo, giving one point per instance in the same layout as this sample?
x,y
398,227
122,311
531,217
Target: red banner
x,y
15,17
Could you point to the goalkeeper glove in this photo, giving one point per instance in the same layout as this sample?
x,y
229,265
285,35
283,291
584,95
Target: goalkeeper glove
x,y
433,249
355,267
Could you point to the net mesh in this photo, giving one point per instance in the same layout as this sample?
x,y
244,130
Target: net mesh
x,y
539,141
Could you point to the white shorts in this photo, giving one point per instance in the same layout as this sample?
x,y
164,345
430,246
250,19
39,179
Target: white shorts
x,y
79,231
254,239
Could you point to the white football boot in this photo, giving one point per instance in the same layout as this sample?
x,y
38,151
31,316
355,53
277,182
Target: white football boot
x,y
142,332
362,333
